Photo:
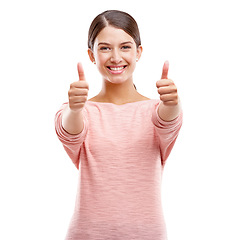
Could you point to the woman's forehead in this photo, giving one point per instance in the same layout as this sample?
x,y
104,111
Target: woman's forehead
x,y
113,35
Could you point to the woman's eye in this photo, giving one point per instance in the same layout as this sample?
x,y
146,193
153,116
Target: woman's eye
x,y
104,48
126,47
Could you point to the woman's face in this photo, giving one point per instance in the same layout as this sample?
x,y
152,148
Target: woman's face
x,y
115,54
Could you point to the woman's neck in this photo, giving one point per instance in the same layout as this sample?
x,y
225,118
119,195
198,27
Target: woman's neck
x,y
118,93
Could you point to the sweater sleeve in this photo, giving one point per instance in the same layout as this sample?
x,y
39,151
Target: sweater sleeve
x,y
71,143
167,132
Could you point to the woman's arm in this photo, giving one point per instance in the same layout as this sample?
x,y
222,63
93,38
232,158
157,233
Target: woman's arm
x,y
72,121
169,113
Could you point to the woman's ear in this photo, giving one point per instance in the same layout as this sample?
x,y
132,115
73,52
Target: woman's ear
x,y
91,55
139,52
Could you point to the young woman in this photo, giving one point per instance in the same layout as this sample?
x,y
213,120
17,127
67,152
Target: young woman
x,y
119,140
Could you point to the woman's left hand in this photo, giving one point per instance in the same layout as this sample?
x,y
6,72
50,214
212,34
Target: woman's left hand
x,y
167,89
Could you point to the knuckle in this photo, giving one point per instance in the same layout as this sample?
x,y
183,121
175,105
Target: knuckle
x,y
176,96
174,87
85,91
71,100
72,85
70,93
87,85
158,84
162,98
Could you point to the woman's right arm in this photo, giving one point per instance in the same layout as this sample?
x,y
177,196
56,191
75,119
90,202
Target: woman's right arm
x,y
72,117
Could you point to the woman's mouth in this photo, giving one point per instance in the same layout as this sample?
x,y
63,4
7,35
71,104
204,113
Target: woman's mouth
x,y
116,69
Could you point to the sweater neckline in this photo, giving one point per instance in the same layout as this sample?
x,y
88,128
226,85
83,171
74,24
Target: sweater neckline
x,y
119,105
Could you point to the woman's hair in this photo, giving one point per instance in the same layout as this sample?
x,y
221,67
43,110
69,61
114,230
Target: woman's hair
x,y
117,19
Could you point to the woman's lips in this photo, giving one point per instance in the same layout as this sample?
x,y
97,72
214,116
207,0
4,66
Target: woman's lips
x,y
116,69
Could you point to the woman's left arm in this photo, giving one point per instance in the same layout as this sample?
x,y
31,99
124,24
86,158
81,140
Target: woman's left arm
x,y
170,106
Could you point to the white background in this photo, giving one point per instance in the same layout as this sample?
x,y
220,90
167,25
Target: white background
x,y
41,43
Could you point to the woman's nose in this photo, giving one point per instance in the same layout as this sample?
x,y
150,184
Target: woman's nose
x,y
116,57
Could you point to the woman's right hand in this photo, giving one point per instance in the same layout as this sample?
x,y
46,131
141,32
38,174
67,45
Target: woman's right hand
x,y
78,92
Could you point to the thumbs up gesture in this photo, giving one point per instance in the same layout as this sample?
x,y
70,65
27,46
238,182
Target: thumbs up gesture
x,y
166,88
78,91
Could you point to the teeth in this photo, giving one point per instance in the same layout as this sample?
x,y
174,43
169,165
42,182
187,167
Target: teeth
x,y
116,68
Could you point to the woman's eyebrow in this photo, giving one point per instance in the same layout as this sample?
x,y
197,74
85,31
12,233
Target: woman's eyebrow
x,y
126,42
105,43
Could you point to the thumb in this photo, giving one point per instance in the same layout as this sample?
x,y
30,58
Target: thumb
x,y
165,70
80,72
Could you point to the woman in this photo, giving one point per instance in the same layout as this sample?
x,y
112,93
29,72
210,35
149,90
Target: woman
x,y
119,140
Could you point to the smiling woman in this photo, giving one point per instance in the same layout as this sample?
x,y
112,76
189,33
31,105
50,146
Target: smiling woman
x,y
119,20
115,53
119,140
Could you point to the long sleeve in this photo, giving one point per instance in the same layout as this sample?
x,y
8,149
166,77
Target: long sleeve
x,y
71,143
167,133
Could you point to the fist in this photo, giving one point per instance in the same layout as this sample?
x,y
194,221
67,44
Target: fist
x,y
78,92
166,88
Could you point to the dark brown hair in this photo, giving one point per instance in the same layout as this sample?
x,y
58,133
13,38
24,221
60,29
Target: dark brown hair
x,y
117,19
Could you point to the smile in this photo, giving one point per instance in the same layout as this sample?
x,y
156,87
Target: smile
x,y
116,69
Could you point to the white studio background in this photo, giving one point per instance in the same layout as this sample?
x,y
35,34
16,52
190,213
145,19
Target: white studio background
x,y
41,43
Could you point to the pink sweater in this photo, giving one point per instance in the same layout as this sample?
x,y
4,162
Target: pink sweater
x,y
120,154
